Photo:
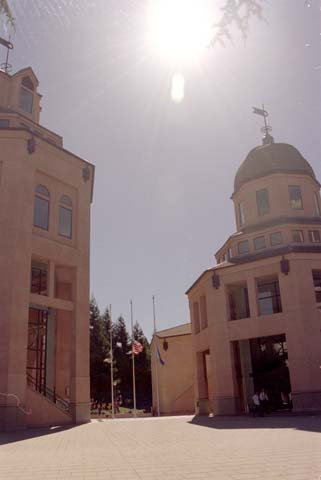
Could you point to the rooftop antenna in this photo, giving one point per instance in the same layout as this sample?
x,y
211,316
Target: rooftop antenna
x,y
6,67
266,130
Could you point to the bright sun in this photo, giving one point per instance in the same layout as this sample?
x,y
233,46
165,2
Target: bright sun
x,y
180,30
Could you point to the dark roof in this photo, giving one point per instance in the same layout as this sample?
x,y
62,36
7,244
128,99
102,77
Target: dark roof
x,y
271,158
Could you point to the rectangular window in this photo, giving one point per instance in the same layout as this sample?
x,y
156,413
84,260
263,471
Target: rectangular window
x,y
269,298
4,123
295,197
203,306
316,204
314,236
39,279
317,284
259,242
241,213
238,301
297,236
41,213
26,100
65,222
262,201
230,254
276,239
196,317
243,247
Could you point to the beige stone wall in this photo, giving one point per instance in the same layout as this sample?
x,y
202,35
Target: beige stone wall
x,y
277,185
176,384
68,259
43,413
300,321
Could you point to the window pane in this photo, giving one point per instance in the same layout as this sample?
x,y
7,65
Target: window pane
x,y
26,82
276,238
297,236
295,197
259,242
26,100
238,302
262,200
269,299
317,204
41,213
4,123
65,219
314,236
66,200
243,247
39,281
42,190
241,213
317,284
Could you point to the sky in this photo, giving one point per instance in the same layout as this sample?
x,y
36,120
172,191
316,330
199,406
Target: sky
x,y
164,168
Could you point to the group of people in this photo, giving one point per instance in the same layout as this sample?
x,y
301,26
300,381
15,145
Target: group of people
x,y
102,407
261,403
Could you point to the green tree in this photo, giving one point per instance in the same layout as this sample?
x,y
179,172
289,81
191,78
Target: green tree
x,y
143,370
122,359
98,353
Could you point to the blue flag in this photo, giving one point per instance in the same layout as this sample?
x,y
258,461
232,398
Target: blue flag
x,y
161,361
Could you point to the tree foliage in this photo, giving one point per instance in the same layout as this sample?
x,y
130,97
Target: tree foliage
x,y
236,13
143,369
100,371
6,11
98,352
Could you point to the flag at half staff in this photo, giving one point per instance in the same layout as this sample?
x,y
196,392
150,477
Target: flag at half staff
x,y
137,347
161,361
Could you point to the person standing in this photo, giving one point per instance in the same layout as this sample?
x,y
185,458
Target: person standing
x,y
256,403
264,401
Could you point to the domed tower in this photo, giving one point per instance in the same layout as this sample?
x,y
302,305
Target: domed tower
x,y
277,203
256,320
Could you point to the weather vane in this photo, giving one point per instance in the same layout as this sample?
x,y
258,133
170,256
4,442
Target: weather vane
x,y
266,130
6,67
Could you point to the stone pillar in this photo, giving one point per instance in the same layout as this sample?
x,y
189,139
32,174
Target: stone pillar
x,y
79,384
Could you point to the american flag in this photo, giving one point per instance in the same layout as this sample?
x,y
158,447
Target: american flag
x,y
137,347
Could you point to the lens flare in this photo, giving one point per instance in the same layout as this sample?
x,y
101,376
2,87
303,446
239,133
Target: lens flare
x,y
178,88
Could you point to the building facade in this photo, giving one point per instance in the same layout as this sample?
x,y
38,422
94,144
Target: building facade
x,y
45,198
256,315
172,371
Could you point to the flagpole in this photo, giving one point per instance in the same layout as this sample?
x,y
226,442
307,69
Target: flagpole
x,y
133,357
155,336
111,366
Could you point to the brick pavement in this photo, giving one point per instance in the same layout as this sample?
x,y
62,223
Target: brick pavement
x,y
177,448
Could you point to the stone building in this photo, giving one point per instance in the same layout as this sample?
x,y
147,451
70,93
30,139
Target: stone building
x,y
172,370
45,197
256,320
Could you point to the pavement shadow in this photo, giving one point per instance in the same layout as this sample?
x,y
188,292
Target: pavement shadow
x,y
21,435
310,423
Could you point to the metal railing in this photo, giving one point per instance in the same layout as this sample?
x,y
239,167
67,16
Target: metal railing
x,y
50,394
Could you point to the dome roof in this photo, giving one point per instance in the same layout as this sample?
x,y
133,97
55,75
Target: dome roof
x,y
271,158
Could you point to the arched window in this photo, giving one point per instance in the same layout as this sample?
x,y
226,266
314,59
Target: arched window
x,y
41,208
65,216
26,95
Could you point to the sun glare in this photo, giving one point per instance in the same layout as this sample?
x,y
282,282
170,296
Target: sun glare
x,y
179,30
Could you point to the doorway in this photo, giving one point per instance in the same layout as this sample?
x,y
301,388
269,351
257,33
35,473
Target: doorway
x,y
263,363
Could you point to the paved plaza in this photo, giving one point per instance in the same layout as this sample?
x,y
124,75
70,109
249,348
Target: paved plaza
x,y
177,448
